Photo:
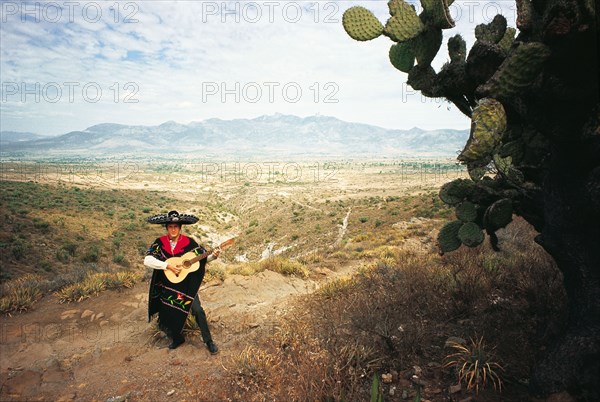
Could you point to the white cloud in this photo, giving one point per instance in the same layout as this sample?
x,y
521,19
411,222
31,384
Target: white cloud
x,y
171,56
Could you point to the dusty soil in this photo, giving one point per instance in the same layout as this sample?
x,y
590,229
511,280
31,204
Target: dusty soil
x,y
104,347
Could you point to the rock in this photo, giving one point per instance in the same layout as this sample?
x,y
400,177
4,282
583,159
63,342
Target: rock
x,y
120,398
103,323
254,325
87,313
454,339
99,315
392,391
404,394
171,392
68,314
453,389
386,378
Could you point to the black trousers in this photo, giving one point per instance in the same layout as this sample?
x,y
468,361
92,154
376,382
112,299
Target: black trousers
x,y
200,316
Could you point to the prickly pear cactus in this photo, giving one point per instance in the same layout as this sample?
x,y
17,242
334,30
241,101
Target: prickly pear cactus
x,y
492,32
470,234
404,23
457,49
466,212
361,24
448,237
437,14
487,126
518,71
402,56
456,191
498,215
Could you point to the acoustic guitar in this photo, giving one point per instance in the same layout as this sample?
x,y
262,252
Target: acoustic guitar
x,y
190,262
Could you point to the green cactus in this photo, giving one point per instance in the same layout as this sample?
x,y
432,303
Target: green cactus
x,y
436,14
466,212
498,215
457,48
487,126
476,171
470,234
427,45
448,237
517,72
404,23
402,56
423,78
456,191
508,39
361,24
492,32
505,167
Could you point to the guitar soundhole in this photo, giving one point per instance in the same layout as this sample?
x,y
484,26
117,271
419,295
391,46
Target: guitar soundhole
x,y
186,264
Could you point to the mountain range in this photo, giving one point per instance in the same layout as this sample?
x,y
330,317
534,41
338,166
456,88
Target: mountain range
x,y
264,136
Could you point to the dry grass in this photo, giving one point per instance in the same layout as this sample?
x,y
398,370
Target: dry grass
x,y
397,313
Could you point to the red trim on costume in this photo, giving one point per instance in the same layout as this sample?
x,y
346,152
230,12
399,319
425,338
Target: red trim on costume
x,y
182,243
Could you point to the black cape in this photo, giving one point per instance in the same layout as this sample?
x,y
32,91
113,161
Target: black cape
x,y
173,301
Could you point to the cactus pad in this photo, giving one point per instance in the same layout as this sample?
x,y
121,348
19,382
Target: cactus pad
x,y
404,23
456,191
427,45
457,48
466,212
361,24
492,32
508,38
423,78
498,215
470,234
448,237
436,13
402,56
487,126
518,71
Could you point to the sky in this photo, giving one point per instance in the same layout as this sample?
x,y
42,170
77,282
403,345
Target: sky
x,y
68,65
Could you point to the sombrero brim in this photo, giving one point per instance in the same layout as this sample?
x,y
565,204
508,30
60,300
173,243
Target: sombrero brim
x,y
183,219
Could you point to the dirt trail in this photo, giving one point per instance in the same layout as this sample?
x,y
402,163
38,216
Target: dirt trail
x,y
104,347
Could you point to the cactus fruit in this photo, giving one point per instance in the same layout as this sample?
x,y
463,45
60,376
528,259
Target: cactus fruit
x,y
402,56
457,48
436,13
448,237
456,191
466,212
487,126
427,45
404,23
361,24
498,215
517,72
508,39
470,234
492,32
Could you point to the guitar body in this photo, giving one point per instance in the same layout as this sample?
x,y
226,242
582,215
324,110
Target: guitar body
x,y
186,267
189,262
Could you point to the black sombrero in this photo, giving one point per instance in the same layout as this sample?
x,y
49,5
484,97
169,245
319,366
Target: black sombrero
x,y
173,217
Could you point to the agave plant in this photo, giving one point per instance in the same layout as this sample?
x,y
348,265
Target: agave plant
x,y
475,365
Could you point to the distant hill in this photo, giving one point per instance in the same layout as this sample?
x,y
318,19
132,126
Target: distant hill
x,y
264,136
7,137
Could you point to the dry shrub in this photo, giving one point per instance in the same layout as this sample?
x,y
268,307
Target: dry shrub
x,y
20,294
398,312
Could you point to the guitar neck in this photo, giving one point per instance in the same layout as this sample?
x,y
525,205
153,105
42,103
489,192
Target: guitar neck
x,y
200,257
